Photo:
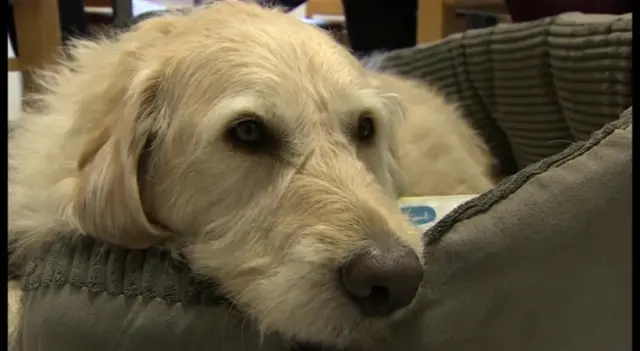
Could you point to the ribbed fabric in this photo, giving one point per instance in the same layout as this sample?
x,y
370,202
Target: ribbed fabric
x,y
532,88
86,263
484,202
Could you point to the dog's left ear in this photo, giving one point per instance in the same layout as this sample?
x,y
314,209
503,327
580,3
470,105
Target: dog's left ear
x,y
112,167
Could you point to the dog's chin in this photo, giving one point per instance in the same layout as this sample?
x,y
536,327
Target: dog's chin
x,y
361,336
319,317
358,338
310,346
303,301
328,326
305,304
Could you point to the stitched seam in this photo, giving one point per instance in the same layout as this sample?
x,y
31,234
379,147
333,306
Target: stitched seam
x,y
488,200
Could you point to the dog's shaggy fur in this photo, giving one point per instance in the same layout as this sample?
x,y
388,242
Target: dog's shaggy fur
x,y
127,143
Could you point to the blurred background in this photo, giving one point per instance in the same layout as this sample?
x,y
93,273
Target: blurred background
x,y
37,29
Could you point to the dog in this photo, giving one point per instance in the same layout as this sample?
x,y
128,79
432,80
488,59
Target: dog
x,y
259,148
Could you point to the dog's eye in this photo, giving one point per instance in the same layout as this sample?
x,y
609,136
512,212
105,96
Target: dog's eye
x,y
250,134
366,130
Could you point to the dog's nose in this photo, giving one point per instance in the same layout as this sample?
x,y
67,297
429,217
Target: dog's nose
x,y
380,283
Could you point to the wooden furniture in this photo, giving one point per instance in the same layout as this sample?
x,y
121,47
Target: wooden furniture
x,y
113,12
119,13
323,8
37,34
438,18
435,18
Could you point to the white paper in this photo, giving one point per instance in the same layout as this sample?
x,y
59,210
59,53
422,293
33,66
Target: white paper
x,y
426,211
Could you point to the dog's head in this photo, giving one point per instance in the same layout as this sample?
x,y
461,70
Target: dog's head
x,y
260,147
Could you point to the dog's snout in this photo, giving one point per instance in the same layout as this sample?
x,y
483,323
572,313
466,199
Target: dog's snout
x,y
380,283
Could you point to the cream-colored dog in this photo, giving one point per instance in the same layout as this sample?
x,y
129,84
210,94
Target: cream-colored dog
x,y
257,146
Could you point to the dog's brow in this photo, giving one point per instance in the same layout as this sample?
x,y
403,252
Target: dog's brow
x,y
239,105
386,101
375,102
229,108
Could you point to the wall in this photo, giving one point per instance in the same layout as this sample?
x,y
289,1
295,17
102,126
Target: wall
x,y
14,88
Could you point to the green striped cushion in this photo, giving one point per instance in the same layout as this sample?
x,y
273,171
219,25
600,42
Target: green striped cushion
x,y
533,88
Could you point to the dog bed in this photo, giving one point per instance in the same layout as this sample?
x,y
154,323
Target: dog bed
x,y
542,262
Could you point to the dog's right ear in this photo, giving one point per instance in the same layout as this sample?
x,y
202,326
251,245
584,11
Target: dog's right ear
x,y
107,201
112,166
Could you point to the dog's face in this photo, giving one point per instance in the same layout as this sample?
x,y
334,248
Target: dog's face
x,y
260,147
